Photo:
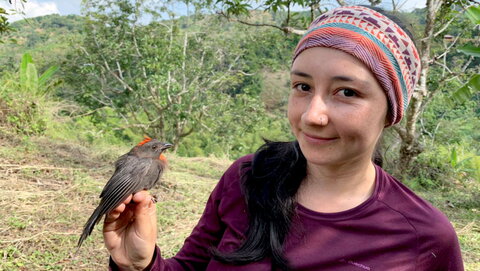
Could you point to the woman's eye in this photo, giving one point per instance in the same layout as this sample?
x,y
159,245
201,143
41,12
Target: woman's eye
x,y
348,92
302,87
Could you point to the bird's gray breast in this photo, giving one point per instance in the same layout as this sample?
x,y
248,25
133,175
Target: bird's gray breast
x,y
153,174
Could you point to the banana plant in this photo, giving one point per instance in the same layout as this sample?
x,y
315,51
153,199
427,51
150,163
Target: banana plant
x,y
465,92
31,81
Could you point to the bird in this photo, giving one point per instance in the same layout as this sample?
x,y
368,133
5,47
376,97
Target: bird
x,y
139,169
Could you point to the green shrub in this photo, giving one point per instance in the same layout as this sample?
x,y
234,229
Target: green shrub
x,y
24,105
443,166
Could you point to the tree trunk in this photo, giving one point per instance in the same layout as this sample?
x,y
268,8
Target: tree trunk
x,y
410,146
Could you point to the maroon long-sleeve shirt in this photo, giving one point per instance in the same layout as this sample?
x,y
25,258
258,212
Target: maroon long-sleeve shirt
x,y
393,230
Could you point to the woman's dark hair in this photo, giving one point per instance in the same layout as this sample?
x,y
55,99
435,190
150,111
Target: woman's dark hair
x,y
270,183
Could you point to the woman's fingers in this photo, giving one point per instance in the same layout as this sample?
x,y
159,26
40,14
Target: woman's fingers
x,y
127,200
145,217
115,214
138,205
140,196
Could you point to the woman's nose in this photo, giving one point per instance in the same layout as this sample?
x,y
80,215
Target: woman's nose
x,y
316,113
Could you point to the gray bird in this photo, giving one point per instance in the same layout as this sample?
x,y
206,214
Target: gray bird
x,y
139,169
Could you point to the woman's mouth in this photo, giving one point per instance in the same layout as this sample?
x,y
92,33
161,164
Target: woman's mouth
x,y
317,139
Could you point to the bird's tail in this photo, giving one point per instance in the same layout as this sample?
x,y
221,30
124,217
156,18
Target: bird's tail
x,y
92,221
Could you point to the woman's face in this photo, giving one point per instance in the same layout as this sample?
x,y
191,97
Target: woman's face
x,y
337,109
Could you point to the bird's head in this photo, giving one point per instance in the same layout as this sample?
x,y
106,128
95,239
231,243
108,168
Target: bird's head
x,y
152,148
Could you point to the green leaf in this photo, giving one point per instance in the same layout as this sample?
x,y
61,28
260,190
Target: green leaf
x,y
470,50
462,94
47,75
473,13
465,93
27,58
31,78
453,157
474,82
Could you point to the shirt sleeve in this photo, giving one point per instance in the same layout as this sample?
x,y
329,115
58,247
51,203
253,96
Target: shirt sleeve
x,y
439,247
195,253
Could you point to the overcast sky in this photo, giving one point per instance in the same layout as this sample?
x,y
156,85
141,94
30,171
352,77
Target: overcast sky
x,y
34,8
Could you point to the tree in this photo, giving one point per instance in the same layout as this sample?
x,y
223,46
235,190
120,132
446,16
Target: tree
x,y
160,78
288,21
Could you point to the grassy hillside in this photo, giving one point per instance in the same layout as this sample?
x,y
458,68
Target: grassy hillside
x,y
49,189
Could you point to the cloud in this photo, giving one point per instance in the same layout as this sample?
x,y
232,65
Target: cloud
x,y
30,9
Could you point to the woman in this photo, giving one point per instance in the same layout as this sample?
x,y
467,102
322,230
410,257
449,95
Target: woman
x,y
318,203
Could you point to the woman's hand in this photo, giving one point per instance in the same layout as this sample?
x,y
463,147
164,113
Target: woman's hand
x,y
130,232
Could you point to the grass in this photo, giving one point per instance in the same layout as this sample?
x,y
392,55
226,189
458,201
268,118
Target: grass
x,y
48,190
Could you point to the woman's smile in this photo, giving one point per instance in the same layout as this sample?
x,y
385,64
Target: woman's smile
x,y
316,139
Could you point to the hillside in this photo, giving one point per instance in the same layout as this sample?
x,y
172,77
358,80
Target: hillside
x,y
47,38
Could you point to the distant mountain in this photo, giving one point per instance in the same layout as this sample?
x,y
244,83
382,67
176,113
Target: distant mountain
x,y
45,37
31,31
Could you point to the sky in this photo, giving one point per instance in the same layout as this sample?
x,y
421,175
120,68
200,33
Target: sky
x,y
34,8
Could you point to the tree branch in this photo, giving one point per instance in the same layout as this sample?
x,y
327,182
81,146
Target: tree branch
x,y
445,26
285,29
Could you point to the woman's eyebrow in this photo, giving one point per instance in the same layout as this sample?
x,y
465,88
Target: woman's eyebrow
x,y
302,74
343,78
350,79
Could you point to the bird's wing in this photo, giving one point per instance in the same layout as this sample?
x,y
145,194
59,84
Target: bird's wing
x,y
126,180
119,164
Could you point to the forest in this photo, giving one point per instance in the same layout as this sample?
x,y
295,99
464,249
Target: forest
x,y
213,79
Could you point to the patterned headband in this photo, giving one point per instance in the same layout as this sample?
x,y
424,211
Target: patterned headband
x,y
376,41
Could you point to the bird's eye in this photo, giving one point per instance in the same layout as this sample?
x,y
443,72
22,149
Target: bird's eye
x,y
154,147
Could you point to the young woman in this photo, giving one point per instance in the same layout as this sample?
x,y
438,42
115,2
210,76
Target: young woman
x,y
318,203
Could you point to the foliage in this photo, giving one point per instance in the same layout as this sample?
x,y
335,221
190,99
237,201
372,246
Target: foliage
x,y
4,23
22,97
450,135
465,92
172,79
473,13
47,38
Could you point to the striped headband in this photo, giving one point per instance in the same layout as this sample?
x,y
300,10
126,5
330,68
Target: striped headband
x,y
376,41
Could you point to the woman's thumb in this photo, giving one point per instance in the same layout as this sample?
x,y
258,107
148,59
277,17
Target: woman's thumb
x,y
145,218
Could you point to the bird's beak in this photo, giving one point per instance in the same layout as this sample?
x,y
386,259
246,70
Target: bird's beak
x,y
167,146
